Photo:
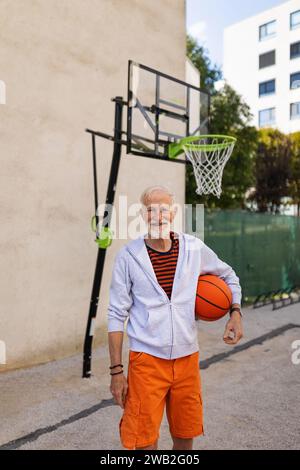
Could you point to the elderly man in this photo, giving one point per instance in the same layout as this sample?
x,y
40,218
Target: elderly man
x,y
154,283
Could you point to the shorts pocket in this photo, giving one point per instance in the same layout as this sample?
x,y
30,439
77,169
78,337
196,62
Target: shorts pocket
x,y
195,413
134,356
128,425
186,420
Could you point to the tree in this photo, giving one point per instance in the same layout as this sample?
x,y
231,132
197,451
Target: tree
x,y
199,56
273,170
294,185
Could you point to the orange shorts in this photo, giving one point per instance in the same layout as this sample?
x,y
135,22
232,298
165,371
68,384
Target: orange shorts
x,y
154,382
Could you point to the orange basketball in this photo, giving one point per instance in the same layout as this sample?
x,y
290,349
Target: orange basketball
x,y
213,298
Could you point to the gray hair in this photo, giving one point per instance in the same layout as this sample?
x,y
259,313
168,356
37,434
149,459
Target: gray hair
x,y
151,189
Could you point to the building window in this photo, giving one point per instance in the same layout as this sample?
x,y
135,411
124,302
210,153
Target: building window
x,y
266,88
267,30
295,19
294,80
266,117
295,50
267,59
295,110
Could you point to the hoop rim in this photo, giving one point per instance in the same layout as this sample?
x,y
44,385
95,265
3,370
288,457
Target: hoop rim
x,y
177,148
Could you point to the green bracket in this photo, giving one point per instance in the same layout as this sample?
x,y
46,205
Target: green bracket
x,y
105,238
174,150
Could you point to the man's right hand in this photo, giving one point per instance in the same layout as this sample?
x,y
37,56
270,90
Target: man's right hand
x,y
118,388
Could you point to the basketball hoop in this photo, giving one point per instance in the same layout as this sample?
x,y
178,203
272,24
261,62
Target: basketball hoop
x,y
208,155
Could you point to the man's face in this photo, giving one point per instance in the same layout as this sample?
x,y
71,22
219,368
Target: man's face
x,y
159,214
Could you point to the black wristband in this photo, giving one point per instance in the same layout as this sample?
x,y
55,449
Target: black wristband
x,y
116,373
233,309
117,365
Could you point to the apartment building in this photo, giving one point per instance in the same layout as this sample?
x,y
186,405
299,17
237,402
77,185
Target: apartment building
x,y
262,63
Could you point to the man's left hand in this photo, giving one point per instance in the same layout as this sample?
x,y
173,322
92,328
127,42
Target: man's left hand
x,y
233,329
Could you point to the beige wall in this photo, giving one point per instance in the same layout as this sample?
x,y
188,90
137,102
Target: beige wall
x,y
62,61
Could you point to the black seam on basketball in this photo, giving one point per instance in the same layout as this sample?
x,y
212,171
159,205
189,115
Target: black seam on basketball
x,y
209,282
204,280
211,303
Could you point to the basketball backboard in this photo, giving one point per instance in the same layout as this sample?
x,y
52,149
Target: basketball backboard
x,y
162,110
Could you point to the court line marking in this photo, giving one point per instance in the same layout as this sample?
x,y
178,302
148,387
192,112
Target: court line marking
x,y
206,363
33,436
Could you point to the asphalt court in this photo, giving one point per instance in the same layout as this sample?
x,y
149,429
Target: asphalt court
x,y
250,393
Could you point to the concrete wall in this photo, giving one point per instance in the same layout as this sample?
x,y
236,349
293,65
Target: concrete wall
x,y
242,48
61,62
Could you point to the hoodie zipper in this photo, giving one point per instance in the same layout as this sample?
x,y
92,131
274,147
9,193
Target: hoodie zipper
x,y
171,314
162,290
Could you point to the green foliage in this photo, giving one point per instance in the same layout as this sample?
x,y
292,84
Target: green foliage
x,y
294,185
199,56
272,169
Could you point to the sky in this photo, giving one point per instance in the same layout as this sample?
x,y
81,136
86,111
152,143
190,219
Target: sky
x,y
206,20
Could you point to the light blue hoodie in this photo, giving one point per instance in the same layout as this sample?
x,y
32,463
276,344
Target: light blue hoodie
x,y
156,324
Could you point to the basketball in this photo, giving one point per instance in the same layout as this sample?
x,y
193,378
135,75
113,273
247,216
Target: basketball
x,y
213,298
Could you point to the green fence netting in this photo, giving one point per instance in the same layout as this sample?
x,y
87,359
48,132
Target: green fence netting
x,y
263,249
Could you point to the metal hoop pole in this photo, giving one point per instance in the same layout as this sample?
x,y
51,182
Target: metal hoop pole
x,y
89,335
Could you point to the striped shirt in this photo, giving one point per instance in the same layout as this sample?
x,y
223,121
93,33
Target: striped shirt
x,y
164,264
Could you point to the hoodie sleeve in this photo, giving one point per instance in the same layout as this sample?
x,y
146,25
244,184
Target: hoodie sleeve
x,y
120,299
212,264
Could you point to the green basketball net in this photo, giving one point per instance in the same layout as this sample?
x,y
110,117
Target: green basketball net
x,y
208,155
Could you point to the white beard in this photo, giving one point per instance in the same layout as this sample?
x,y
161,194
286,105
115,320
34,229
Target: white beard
x,y
160,231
